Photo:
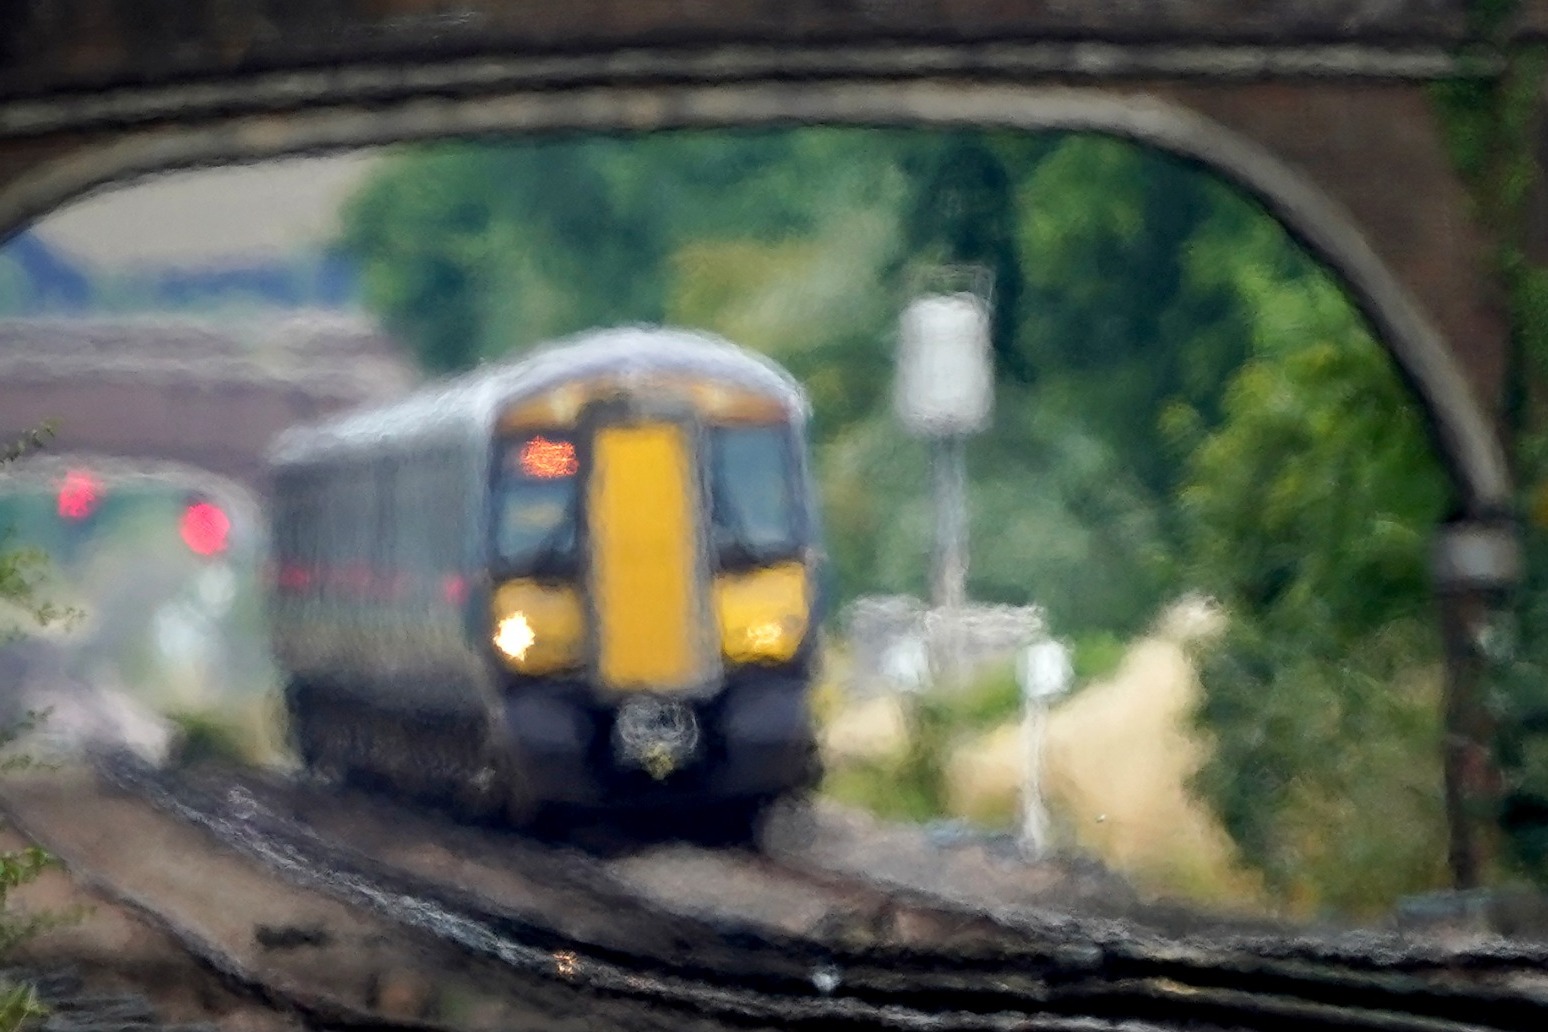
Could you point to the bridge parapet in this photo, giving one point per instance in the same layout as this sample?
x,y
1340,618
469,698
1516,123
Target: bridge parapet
x,y
54,44
189,392
326,355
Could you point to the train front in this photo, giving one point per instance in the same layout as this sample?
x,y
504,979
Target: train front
x,y
653,553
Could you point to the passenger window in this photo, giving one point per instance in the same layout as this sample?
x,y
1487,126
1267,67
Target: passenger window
x,y
753,511
535,504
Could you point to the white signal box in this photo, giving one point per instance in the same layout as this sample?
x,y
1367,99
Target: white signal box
x,y
945,380
1044,671
906,664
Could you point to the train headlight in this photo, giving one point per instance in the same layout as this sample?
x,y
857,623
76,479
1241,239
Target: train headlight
x,y
538,628
513,636
763,614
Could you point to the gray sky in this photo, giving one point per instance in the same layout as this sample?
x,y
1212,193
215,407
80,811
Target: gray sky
x,y
193,218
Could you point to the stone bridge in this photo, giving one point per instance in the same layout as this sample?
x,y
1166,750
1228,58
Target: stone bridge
x,y
1323,110
1319,108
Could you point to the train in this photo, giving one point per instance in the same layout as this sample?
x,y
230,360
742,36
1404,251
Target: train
x,y
588,578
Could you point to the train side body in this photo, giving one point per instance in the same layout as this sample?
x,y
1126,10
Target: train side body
x,y
592,574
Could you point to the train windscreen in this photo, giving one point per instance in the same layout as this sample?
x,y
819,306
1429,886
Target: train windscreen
x,y
754,514
535,505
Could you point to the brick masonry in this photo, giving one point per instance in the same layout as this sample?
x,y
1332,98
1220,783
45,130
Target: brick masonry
x,y
208,398
1333,93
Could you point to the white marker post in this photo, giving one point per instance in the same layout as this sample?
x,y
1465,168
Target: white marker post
x,y
1044,673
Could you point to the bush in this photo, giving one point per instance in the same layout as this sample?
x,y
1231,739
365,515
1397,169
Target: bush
x,y
912,785
207,738
990,699
909,786
18,1003
21,573
19,1007
1097,654
1329,781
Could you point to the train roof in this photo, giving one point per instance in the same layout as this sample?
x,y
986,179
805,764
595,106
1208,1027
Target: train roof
x,y
469,404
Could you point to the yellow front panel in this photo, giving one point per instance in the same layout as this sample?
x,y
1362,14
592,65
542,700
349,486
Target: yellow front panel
x,y
558,407
714,401
641,505
763,614
538,628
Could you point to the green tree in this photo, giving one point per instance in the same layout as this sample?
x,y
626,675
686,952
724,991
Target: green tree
x,y
420,230
472,251
1185,401
1309,510
803,244
1129,257
964,209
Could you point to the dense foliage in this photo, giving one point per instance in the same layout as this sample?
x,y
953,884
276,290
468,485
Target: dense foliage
x,y
22,573
802,244
1308,513
1185,401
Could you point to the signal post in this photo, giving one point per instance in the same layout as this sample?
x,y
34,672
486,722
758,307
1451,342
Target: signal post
x,y
944,392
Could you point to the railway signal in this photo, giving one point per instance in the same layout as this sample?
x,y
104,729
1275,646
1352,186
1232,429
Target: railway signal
x,y
204,527
944,392
77,504
79,496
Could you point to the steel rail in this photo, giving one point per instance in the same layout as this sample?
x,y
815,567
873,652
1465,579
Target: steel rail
x,y
1119,979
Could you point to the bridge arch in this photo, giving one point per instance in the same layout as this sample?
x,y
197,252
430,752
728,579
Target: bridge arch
x,y
1461,423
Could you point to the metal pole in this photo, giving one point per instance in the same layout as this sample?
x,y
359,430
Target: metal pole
x,y
949,466
1034,815
1043,672
949,590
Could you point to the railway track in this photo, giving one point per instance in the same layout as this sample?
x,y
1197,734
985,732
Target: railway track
x,y
899,961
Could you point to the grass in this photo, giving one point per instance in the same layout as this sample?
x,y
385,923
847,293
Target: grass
x,y
911,786
1118,790
1097,656
245,734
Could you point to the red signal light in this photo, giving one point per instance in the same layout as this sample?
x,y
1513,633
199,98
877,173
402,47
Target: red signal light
x,y
205,528
543,459
78,495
